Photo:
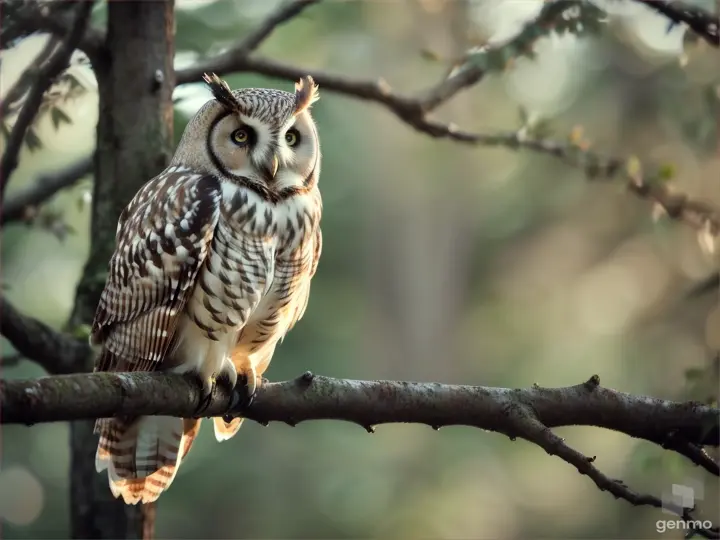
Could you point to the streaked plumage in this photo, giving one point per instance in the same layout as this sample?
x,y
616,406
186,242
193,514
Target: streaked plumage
x,y
212,268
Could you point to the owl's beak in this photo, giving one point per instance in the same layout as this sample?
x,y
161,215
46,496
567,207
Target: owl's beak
x,y
269,168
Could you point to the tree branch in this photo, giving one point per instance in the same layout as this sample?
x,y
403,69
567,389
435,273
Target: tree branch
x,y
30,17
56,352
414,111
526,413
44,188
700,21
281,15
43,78
534,431
409,109
25,79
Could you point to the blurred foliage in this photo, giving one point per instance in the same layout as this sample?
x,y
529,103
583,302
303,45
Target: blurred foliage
x,y
440,262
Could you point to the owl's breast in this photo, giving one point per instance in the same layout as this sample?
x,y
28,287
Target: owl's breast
x,y
294,223
237,273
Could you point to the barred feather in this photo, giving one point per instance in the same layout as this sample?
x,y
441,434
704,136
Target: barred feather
x,y
210,272
163,239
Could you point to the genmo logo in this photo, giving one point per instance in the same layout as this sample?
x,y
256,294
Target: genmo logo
x,y
679,525
682,496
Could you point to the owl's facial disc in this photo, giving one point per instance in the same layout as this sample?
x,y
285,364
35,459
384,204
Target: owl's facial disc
x,y
269,154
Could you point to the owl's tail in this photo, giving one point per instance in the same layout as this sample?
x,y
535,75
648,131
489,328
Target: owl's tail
x,y
142,455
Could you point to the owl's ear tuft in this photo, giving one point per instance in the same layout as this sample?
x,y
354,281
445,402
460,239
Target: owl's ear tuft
x,y
306,93
221,91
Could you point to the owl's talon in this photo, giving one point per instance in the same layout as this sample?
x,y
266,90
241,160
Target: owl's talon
x,y
248,390
205,396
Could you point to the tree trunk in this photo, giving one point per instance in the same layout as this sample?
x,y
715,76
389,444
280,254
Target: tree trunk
x,y
134,143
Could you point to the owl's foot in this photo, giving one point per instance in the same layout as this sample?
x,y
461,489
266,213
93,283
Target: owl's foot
x,y
245,390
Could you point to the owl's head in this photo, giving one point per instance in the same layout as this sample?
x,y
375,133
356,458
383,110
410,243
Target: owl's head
x,y
264,139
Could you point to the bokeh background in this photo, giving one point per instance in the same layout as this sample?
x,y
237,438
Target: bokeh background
x,y
441,262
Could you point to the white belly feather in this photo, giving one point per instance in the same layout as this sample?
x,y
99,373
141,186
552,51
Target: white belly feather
x,y
244,295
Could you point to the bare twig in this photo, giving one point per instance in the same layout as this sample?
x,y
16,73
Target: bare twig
x,y
534,431
229,60
281,15
237,59
701,22
526,413
45,187
43,78
56,352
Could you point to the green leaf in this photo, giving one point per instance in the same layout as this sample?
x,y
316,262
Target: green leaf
x,y
58,117
32,141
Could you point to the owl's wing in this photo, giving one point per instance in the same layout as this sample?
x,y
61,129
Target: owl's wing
x,y
163,238
315,251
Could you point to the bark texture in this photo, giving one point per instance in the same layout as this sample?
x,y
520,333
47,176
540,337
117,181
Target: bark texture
x,y
134,69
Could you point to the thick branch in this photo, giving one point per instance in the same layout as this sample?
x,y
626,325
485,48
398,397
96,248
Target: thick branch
x,y
44,76
366,403
526,413
56,352
45,187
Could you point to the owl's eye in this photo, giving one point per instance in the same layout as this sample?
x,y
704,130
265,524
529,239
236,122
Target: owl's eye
x,y
292,137
240,136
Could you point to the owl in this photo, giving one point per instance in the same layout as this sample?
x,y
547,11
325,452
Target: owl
x,y
211,269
